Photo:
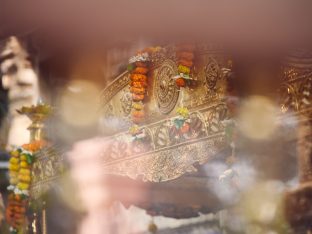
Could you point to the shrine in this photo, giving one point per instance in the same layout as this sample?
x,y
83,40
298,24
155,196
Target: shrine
x,y
154,134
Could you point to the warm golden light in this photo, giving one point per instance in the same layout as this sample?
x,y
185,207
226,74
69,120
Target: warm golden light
x,y
79,103
257,118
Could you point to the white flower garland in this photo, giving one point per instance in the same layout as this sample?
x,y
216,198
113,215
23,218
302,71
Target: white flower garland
x,y
139,58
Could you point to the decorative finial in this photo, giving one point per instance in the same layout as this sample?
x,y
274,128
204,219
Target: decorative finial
x,y
37,114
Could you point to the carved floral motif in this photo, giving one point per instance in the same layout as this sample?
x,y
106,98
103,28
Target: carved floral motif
x,y
170,163
47,167
165,89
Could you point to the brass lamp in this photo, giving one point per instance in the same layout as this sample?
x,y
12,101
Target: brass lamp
x,y
37,114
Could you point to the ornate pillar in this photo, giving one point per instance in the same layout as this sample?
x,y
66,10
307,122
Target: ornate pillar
x,y
298,98
38,114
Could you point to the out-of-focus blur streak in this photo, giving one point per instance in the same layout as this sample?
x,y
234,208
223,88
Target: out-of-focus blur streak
x,y
258,118
93,186
76,108
2,209
249,25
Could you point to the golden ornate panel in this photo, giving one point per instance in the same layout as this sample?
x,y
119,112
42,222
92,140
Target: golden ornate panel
x,y
163,95
296,89
164,155
48,166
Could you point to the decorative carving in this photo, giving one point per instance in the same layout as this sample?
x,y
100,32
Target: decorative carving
x,y
212,73
287,98
197,126
196,129
214,119
180,212
109,111
162,136
295,92
126,103
142,145
160,155
165,89
296,100
304,91
158,58
213,79
47,167
170,163
118,84
165,94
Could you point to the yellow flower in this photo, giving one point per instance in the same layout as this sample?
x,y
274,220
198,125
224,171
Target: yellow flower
x,y
13,167
184,69
24,171
24,164
137,106
23,186
14,153
23,157
14,160
134,129
24,178
183,111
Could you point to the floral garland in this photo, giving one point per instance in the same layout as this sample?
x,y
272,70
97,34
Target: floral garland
x,y
136,132
138,66
20,165
139,69
185,57
182,122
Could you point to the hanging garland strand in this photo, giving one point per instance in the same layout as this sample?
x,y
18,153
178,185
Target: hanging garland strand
x,y
138,84
20,165
185,56
139,67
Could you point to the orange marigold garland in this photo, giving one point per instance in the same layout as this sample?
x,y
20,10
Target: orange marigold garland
x,y
139,69
15,211
138,66
185,56
20,178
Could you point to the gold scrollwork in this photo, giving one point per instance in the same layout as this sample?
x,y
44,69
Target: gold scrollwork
x,y
47,167
212,73
170,163
165,89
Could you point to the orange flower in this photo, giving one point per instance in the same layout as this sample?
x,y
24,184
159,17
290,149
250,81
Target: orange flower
x,y
15,212
138,117
138,77
138,84
18,197
185,128
138,114
26,147
35,145
137,90
140,70
180,82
